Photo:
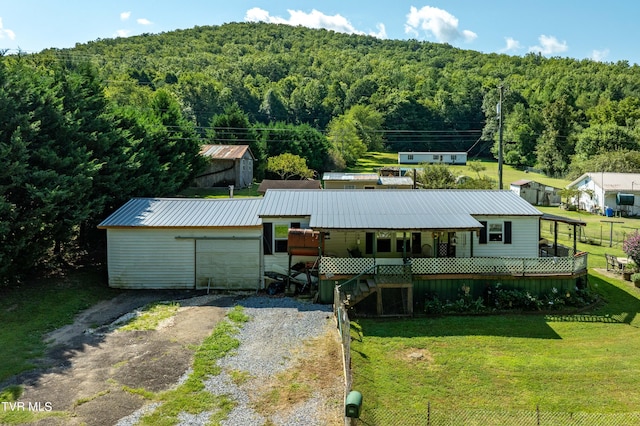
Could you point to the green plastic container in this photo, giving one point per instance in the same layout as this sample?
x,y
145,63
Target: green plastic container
x,y
325,289
353,405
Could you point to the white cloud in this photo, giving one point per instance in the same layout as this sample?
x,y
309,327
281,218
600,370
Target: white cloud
x,y
143,21
6,33
125,15
512,45
382,32
123,33
314,19
600,55
549,45
437,22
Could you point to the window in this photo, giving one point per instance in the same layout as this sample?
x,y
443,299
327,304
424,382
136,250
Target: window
x,y
495,232
349,187
281,238
454,158
369,187
410,157
436,158
383,242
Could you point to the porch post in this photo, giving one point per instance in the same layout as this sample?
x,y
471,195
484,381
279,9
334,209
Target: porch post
x,y
404,246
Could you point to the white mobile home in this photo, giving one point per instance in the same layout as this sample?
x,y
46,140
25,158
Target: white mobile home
x,y
459,158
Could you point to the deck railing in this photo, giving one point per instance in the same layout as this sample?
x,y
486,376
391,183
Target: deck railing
x,y
518,266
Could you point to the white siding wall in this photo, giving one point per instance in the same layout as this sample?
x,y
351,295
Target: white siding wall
x,y
155,258
432,157
525,236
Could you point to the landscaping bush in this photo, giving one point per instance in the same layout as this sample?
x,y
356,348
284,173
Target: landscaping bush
x,y
631,246
501,299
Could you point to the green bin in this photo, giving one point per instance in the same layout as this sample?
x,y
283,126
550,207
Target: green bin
x,y
325,288
353,405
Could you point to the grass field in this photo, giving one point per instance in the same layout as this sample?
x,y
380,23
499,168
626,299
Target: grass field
x,y
560,363
28,311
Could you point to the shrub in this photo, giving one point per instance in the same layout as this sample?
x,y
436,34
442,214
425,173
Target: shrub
x,y
631,246
500,299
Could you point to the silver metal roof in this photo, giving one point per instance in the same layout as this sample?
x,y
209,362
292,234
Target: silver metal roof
x,y
392,209
349,177
395,180
185,212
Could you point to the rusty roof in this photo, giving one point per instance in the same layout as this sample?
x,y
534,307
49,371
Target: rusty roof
x,y
225,152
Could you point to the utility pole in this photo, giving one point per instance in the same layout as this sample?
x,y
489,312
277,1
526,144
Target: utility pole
x,y
500,138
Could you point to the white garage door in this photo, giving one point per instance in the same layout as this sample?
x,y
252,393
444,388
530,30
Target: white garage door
x,y
228,264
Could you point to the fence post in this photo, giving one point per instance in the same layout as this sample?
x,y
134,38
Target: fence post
x,y
538,414
428,413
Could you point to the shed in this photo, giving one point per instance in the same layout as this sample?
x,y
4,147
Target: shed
x,y
537,193
228,165
177,243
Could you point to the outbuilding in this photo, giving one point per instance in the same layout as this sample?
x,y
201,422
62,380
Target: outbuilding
x,y
178,243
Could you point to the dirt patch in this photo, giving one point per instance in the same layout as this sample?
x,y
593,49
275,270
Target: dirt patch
x,y
89,364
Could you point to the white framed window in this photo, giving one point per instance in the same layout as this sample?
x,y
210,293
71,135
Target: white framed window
x,y
349,187
409,156
454,158
495,231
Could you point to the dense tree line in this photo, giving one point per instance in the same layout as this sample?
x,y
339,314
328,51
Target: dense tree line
x,y
84,129
68,157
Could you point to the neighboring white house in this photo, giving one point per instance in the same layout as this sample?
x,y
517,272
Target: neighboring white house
x,y
228,165
229,243
537,193
608,193
432,158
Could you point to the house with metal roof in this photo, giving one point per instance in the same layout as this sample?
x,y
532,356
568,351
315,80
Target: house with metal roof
x,y
228,165
608,193
339,180
385,248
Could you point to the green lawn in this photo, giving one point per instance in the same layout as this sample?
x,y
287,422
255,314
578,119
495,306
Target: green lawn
x,y
374,160
560,363
29,311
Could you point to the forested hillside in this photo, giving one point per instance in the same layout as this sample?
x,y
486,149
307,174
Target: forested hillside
x,y
372,93
84,129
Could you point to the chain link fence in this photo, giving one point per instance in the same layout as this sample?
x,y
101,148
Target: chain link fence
x,y
441,416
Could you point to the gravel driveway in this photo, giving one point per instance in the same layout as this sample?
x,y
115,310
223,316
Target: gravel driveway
x,y
271,343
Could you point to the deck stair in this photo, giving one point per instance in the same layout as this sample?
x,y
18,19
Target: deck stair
x,y
385,277
365,287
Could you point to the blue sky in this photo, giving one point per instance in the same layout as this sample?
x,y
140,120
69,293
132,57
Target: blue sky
x,y
585,29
